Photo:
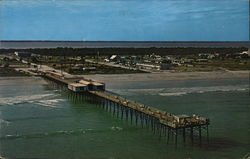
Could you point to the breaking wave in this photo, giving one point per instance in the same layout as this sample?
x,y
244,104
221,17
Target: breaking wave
x,y
116,128
173,94
58,133
182,90
39,99
4,122
152,91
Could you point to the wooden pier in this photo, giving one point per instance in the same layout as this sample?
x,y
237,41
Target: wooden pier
x,y
163,123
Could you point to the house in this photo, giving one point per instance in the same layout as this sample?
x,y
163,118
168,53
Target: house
x,y
202,60
166,65
23,54
187,61
113,58
148,66
244,54
106,60
98,86
92,85
75,68
77,87
89,68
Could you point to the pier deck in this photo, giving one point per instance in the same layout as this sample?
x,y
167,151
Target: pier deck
x,y
165,118
158,119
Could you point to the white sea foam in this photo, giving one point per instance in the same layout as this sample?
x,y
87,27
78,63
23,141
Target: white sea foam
x,y
4,122
188,90
40,99
152,91
116,128
173,94
49,102
179,91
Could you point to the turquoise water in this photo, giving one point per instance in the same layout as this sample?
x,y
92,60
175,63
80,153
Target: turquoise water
x,y
38,121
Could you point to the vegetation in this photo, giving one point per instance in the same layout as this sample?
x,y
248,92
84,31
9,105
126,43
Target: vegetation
x,y
74,60
124,51
98,68
216,65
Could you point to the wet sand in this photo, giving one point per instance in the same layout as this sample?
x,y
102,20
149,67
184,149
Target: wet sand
x,y
168,76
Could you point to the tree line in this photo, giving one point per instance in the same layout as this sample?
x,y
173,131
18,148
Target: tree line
x,y
125,51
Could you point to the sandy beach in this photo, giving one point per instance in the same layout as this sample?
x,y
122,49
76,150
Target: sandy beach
x,y
168,76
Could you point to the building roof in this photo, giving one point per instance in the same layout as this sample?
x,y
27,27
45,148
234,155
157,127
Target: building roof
x,y
77,85
91,82
97,84
84,82
113,57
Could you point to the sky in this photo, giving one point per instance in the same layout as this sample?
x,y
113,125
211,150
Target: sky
x,y
125,20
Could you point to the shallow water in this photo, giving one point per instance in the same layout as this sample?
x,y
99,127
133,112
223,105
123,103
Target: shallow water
x,y
40,122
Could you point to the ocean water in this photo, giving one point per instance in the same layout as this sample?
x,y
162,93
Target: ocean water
x,y
37,121
122,44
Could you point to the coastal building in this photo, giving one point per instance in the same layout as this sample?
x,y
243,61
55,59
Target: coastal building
x,y
23,54
166,64
202,60
92,85
148,66
245,53
84,85
89,68
113,58
98,86
77,87
76,68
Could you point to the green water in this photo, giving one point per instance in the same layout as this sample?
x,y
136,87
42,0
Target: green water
x,y
40,122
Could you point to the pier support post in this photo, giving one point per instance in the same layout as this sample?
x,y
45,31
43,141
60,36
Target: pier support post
x,y
118,109
114,108
207,135
136,117
131,115
122,112
151,123
164,130
176,134
142,120
168,135
191,135
184,135
200,135
146,120
160,130
126,111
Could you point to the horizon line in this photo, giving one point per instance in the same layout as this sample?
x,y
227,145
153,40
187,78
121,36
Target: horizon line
x,y
122,41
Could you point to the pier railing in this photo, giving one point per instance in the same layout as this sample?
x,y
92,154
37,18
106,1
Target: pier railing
x,y
165,118
158,120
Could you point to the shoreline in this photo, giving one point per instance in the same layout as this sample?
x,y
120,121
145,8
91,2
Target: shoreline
x,y
167,76
140,77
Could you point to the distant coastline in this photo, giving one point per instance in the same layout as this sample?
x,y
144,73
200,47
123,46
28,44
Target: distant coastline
x,y
169,75
26,44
